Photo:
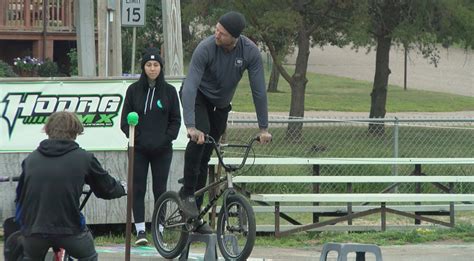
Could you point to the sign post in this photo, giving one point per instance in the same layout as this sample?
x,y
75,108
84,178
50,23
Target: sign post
x,y
133,15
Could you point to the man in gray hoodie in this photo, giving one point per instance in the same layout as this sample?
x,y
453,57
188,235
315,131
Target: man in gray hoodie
x,y
216,67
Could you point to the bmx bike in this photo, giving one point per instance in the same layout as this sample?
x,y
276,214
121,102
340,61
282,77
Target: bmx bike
x,y
236,228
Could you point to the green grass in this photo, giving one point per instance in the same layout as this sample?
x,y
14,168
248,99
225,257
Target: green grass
x,y
331,93
462,232
354,141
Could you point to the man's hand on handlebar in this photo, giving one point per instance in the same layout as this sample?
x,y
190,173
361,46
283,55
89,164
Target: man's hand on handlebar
x,y
196,135
264,136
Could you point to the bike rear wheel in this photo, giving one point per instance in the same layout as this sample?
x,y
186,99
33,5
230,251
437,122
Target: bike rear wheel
x,y
167,226
236,231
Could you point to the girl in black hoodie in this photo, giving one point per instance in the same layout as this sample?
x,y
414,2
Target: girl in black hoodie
x,y
157,105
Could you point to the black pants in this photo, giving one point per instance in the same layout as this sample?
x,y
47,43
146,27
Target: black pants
x,y
212,121
79,246
160,161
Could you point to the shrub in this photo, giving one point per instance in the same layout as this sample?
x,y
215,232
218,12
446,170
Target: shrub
x,y
73,62
48,69
6,70
27,66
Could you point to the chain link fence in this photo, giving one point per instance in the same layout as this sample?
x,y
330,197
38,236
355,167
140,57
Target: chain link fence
x,y
356,137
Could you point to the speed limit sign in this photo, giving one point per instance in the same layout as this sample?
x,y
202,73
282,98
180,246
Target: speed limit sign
x,y
133,12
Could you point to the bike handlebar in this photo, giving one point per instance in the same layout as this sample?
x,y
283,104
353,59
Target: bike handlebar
x,y
216,146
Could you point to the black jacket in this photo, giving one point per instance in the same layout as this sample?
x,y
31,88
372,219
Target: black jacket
x,y
51,184
158,111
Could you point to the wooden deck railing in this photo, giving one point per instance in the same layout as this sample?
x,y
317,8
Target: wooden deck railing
x,y
29,15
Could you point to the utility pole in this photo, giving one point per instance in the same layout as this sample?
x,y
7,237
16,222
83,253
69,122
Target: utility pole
x,y
109,38
85,37
172,35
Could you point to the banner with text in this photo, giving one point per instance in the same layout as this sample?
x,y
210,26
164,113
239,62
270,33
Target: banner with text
x,y
25,107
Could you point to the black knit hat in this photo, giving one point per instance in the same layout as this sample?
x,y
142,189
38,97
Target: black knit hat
x,y
151,54
233,22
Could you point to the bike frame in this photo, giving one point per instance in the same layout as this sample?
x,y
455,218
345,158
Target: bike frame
x,y
229,169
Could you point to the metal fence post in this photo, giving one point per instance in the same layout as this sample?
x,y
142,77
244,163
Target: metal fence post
x,y
395,145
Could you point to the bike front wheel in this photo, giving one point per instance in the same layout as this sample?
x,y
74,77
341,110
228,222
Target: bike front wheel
x,y
167,226
236,228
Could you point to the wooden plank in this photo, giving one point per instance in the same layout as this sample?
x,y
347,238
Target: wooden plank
x,y
349,179
343,209
365,197
347,161
271,228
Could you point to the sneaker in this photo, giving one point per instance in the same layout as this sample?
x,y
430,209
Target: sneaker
x,y
188,204
141,239
203,228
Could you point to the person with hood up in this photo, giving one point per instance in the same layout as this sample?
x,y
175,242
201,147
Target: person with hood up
x,y
49,190
157,105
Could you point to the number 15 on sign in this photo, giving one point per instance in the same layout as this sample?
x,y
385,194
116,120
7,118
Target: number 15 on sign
x,y
133,12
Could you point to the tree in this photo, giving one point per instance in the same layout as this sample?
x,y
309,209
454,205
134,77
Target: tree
x,y
421,23
199,20
273,81
301,24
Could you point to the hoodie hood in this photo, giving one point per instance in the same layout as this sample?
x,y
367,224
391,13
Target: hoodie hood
x,y
55,148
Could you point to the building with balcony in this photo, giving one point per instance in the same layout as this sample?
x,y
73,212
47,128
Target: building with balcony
x,y
37,28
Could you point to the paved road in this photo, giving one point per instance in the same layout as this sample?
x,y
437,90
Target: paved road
x,y
434,252
454,74
440,251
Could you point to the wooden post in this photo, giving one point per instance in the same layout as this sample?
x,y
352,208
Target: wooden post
x,y
101,34
417,189
316,190
172,36
349,204
116,42
3,12
451,205
383,215
109,46
67,14
277,219
27,14
132,120
45,29
85,37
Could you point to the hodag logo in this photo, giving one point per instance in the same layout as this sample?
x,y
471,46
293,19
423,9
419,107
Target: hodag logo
x,y
34,108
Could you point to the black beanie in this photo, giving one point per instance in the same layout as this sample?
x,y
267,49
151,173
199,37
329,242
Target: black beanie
x,y
151,54
233,22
